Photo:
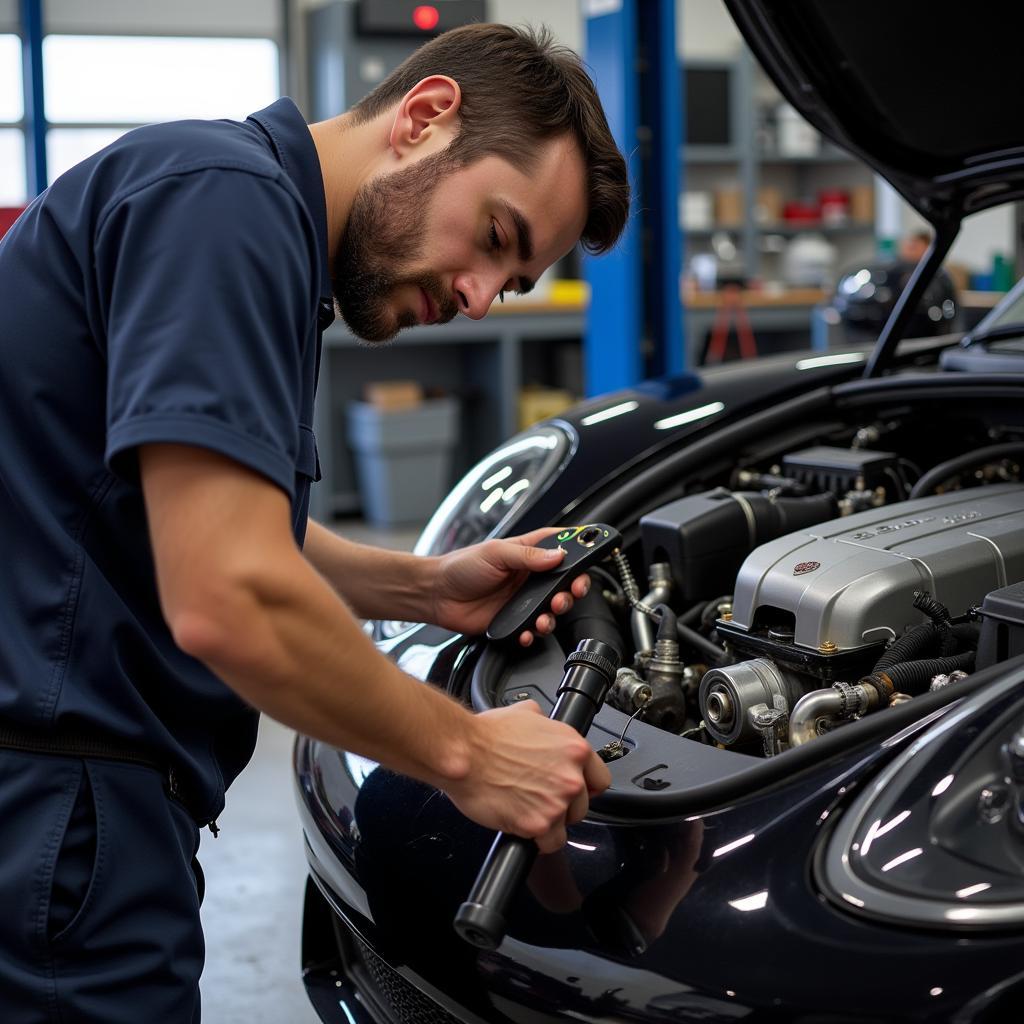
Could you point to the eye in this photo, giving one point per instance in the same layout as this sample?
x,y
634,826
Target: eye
x,y
493,236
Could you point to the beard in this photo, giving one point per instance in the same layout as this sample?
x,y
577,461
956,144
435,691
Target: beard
x,y
384,233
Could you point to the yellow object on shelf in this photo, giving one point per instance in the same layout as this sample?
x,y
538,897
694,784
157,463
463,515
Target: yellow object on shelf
x,y
568,292
537,403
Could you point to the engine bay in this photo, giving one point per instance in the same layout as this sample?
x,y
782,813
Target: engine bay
x,y
816,586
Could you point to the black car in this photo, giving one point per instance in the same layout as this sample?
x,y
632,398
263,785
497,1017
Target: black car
x,y
817,735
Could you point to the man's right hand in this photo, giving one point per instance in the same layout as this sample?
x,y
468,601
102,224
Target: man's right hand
x,y
529,776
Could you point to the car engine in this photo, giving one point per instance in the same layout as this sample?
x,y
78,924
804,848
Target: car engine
x,y
833,601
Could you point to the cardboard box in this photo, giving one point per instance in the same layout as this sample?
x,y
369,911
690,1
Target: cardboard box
x,y
537,403
393,395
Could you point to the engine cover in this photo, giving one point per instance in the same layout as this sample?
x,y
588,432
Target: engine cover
x,y
851,582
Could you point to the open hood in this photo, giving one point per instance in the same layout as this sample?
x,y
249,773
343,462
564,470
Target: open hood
x,y
931,96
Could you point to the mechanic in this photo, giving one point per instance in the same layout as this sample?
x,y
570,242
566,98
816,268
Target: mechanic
x,y
163,304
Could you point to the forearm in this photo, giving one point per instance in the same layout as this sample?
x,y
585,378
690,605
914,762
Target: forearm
x,y
375,582
289,646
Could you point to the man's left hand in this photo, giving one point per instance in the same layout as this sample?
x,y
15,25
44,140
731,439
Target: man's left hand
x,y
472,584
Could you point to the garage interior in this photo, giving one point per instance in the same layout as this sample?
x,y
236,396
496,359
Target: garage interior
x,y
748,232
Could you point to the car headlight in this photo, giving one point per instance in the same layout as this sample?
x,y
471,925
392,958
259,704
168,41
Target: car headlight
x,y
496,489
937,840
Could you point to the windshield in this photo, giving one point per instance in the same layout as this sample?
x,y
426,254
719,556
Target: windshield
x,y
1005,322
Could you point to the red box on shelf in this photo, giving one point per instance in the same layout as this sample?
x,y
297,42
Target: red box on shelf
x,y
8,215
798,211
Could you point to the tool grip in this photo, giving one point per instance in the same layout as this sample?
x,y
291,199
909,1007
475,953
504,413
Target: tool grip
x,y
481,920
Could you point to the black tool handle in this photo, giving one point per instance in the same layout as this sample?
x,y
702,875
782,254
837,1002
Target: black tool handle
x,y
589,672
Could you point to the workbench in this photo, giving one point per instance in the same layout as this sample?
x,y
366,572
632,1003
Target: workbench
x,y
484,363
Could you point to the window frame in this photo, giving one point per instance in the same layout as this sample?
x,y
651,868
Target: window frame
x,y
278,38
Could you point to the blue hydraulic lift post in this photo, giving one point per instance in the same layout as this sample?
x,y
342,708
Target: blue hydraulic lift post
x,y
635,321
661,110
612,355
35,110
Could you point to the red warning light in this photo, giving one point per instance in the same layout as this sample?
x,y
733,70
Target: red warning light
x,y
425,17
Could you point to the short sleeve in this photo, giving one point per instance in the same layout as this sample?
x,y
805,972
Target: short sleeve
x,y
206,284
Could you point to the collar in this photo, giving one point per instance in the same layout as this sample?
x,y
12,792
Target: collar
x,y
296,153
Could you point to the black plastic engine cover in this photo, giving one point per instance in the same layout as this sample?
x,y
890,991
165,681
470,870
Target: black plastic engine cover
x,y
705,537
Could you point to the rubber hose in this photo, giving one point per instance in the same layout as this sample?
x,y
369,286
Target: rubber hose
x,y
688,618
939,614
967,633
694,639
969,460
710,610
590,617
667,622
914,641
913,676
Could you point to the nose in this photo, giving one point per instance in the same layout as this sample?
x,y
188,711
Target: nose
x,y
474,293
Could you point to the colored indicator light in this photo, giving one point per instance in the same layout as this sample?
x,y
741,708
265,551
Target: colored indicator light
x,y
425,17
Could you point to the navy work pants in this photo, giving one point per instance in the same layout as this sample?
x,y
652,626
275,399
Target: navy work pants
x,y
99,895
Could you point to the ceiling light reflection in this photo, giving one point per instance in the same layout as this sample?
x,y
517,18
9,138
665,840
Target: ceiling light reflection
x,y
517,488
581,846
689,416
735,845
496,478
839,359
878,829
755,901
942,785
902,859
610,413
491,500
973,890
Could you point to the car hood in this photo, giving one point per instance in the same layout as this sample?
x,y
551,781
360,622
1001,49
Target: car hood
x,y
931,97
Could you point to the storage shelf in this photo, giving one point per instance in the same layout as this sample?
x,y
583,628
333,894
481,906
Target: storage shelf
x,y
828,155
850,228
785,229
710,154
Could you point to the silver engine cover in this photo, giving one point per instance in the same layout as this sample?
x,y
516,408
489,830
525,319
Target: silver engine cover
x,y
852,581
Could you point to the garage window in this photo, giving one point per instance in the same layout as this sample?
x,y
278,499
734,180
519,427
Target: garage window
x,y
12,138
171,77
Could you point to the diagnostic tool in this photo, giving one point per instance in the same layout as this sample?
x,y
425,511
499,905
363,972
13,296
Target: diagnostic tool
x,y
482,919
583,546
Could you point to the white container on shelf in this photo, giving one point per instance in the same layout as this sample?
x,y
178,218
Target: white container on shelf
x,y
795,137
809,261
696,211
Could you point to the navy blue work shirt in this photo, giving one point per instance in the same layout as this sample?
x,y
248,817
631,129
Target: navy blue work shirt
x,y
171,288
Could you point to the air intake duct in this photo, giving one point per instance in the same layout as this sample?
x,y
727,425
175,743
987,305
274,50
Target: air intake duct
x,y
706,537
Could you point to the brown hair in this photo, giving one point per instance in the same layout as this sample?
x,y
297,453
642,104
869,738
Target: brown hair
x,y
520,89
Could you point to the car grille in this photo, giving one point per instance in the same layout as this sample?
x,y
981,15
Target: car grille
x,y
408,1005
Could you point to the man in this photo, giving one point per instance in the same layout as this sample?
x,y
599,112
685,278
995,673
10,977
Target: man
x,y
163,304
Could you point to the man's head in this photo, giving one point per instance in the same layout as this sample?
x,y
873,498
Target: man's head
x,y
499,159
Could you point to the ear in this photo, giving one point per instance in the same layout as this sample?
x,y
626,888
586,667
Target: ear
x,y
427,113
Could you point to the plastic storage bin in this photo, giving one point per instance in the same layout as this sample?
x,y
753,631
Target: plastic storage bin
x,y
403,458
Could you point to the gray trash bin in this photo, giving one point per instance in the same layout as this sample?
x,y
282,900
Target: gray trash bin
x,y
403,459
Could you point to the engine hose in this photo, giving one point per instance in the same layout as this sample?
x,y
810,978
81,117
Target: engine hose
x,y
667,622
967,633
939,614
914,641
969,460
693,639
688,618
591,618
913,676
709,612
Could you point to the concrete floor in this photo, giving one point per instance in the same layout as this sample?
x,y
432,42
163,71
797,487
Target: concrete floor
x,y
255,876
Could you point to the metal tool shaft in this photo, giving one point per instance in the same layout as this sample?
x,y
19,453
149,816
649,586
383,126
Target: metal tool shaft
x,y
481,920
